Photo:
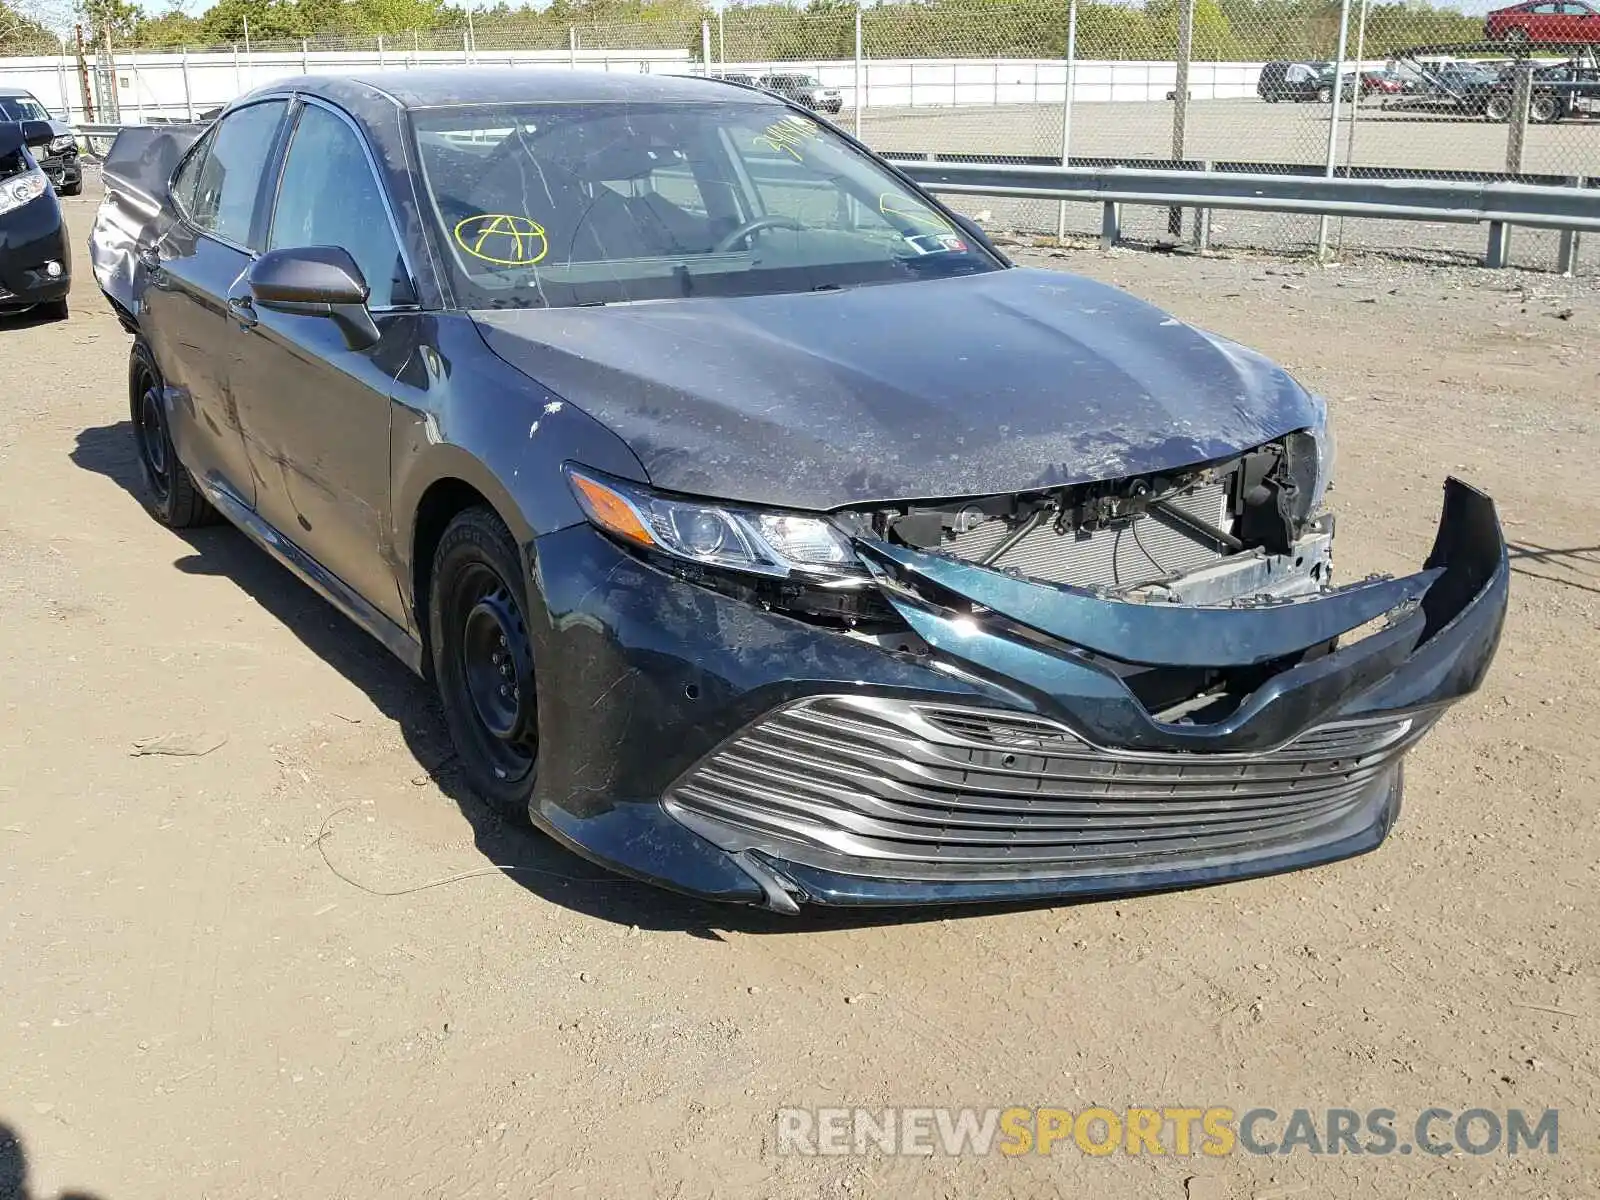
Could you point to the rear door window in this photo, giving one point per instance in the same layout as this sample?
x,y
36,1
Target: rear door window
x,y
218,184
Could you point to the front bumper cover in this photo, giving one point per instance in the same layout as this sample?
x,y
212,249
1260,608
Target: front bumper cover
x,y
30,237
654,682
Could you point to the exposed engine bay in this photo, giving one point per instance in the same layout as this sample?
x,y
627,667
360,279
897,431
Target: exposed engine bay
x,y
1216,534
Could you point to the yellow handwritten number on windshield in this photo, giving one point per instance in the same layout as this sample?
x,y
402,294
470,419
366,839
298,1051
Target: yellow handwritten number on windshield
x,y
503,239
788,136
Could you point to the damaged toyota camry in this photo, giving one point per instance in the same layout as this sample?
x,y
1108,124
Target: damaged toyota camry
x,y
767,534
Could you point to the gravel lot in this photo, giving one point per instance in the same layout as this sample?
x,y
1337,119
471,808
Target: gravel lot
x,y
195,1005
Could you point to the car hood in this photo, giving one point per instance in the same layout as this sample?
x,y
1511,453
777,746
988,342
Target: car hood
x,y
1004,382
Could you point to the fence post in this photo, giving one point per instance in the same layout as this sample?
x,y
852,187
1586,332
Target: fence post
x,y
1355,105
188,92
705,48
238,79
61,83
1333,120
380,52
305,57
860,89
572,46
1517,126
1567,258
1180,101
1066,111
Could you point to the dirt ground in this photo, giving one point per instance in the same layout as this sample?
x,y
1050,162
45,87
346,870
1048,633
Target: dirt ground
x,y
195,1004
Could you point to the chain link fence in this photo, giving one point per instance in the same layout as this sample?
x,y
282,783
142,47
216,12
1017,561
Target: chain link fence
x,y
1301,86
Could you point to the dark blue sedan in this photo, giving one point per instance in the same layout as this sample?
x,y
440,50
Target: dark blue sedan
x,y
767,534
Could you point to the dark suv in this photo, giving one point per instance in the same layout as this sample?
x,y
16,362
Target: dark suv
x,y
58,160
804,89
1295,81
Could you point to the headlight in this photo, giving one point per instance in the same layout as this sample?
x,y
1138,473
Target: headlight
x,y
1322,434
732,537
62,144
1310,463
19,189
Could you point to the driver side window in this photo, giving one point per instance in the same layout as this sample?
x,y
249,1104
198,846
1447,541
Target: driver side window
x,y
329,197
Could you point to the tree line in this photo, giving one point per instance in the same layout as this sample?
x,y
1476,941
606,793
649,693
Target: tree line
x,y
1225,30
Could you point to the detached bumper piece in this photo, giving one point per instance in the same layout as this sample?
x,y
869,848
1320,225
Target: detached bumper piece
x,y
1079,784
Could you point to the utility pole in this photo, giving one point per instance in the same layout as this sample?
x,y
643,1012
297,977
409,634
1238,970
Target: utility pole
x,y
83,79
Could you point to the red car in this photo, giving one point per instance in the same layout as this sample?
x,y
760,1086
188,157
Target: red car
x,y
1544,21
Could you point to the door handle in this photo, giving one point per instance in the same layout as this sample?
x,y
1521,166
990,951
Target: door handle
x,y
243,311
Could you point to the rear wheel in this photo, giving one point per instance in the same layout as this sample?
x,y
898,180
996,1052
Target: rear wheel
x,y
1498,107
1324,95
171,494
1542,110
483,659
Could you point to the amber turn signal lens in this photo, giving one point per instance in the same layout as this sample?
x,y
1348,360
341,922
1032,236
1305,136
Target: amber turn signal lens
x,y
611,511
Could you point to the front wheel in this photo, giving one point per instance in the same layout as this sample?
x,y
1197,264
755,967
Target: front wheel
x,y
483,659
1324,95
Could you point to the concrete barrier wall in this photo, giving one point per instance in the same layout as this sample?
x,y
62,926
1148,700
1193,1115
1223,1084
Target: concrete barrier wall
x,y
173,85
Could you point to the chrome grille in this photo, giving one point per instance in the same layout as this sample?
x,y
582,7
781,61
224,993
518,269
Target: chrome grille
x,y
899,784
1141,551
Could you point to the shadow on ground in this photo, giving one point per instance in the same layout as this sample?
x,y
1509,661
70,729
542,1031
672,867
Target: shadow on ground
x,y
538,863
14,1171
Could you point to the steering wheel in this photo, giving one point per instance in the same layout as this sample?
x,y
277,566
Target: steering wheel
x,y
734,236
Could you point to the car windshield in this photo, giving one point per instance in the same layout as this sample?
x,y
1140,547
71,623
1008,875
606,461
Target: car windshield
x,y
569,204
22,108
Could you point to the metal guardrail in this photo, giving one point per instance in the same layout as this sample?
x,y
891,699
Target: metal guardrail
x,y
1500,205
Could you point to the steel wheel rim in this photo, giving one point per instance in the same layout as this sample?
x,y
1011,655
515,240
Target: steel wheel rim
x,y
496,663
152,432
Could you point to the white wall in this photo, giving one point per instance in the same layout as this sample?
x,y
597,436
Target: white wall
x,y
170,85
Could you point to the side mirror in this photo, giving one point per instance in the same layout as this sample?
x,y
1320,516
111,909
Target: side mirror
x,y
316,281
37,133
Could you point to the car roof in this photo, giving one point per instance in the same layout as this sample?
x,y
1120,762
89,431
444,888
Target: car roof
x,y
442,87
11,93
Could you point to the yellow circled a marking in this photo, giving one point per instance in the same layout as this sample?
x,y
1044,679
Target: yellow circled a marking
x,y
523,237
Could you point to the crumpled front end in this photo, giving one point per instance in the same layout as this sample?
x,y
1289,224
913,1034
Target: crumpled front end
x,y
999,737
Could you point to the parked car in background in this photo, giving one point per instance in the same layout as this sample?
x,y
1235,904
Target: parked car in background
x,y
768,535
59,157
737,77
1455,88
1295,81
804,89
1560,90
35,263
1544,21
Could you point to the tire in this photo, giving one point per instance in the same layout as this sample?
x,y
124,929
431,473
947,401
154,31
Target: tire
x,y
1544,110
1498,107
1324,95
483,659
73,189
171,494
